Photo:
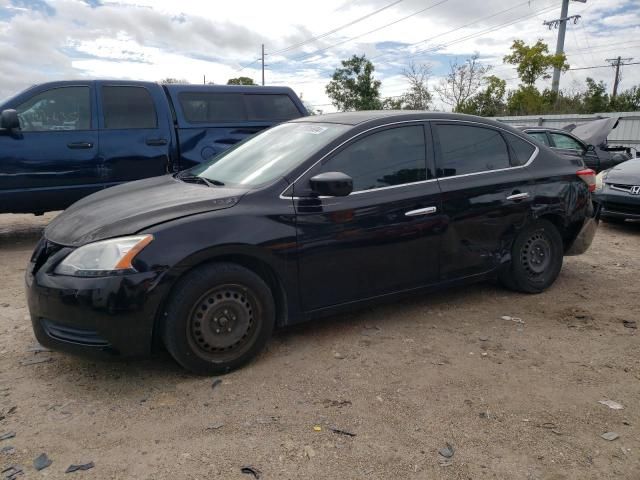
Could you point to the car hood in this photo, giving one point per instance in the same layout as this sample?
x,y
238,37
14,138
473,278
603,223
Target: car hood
x,y
625,173
131,207
595,132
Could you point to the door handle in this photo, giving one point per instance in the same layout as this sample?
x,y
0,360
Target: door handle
x,y
156,141
518,196
80,145
421,211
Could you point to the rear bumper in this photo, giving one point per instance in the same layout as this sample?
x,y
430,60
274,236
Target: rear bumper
x,y
587,232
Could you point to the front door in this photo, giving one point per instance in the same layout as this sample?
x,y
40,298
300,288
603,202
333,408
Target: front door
x,y
384,237
487,193
52,160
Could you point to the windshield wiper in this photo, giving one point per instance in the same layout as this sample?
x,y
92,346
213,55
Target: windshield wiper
x,y
190,178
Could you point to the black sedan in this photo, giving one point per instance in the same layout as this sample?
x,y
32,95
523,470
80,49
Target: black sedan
x,y
597,156
308,218
618,191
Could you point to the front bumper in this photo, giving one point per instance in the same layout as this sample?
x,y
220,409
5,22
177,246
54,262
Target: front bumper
x,y
618,204
105,316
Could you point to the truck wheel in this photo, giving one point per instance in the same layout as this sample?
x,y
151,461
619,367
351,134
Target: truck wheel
x,y
219,317
536,259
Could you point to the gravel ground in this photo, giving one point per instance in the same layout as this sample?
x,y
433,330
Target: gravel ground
x,y
514,400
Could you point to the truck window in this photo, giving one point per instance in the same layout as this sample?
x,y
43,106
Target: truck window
x,y
271,107
209,107
128,107
64,108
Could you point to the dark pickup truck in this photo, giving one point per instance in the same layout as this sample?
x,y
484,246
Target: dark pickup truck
x,y
62,141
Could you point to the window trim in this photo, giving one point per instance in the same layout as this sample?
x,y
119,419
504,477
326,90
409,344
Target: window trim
x,y
91,128
424,120
103,123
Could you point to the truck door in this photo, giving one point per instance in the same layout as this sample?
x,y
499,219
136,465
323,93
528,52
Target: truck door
x,y
135,133
52,160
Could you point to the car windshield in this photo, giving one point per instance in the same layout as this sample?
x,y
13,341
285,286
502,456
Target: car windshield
x,y
268,155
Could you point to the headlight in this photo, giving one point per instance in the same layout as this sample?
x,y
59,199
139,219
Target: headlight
x,y
103,258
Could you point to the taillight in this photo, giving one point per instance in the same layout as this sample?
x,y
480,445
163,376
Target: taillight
x,y
588,176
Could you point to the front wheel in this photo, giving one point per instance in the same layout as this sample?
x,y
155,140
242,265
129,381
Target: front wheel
x,y
220,316
536,259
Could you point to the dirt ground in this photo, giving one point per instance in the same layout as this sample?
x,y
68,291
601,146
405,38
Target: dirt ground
x,y
514,400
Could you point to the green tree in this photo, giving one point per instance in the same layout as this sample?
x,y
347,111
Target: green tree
x,y
526,100
534,62
488,102
169,80
462,82
241,81
595,98
393,103
353,87
627,101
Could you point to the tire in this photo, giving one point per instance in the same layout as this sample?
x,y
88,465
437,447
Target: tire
x,y
536,259
219,317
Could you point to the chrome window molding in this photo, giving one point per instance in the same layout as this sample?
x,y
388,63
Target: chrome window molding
x,y
529,162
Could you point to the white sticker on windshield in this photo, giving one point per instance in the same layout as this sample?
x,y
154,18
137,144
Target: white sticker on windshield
x,y
313,129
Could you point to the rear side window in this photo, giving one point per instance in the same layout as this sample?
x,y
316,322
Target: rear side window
x,y
540,136
65,108
209,107
128,107
521,150
469,149
271,107
382,159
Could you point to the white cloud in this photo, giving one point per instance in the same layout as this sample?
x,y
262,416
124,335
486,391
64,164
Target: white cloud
x,y
154,39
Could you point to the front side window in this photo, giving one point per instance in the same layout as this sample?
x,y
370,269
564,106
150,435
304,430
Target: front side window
x,y
468,149
65,108
128,108
390,157
566,142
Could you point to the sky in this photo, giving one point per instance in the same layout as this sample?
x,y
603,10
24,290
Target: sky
x,y
212,41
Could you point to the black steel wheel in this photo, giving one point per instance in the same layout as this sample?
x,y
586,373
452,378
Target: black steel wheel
x,y
536,258
220,316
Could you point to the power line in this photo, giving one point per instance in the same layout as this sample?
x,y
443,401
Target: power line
x,y
487,17
311,54
323,35
478,34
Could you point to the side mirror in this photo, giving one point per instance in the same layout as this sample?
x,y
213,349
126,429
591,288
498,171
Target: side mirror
x,y
591,148
332,184
9,120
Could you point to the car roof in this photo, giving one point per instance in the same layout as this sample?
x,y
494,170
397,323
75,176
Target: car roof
x,y
375,117
180,87
524,128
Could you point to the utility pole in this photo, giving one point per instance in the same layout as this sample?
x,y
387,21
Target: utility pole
x,y
617,62
561,25
263,64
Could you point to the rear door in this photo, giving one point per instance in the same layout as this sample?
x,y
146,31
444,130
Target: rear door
x,y
486,194
135,132
382,238
52,160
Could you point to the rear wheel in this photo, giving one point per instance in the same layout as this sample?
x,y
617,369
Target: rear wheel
x,y
219,317
536,259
